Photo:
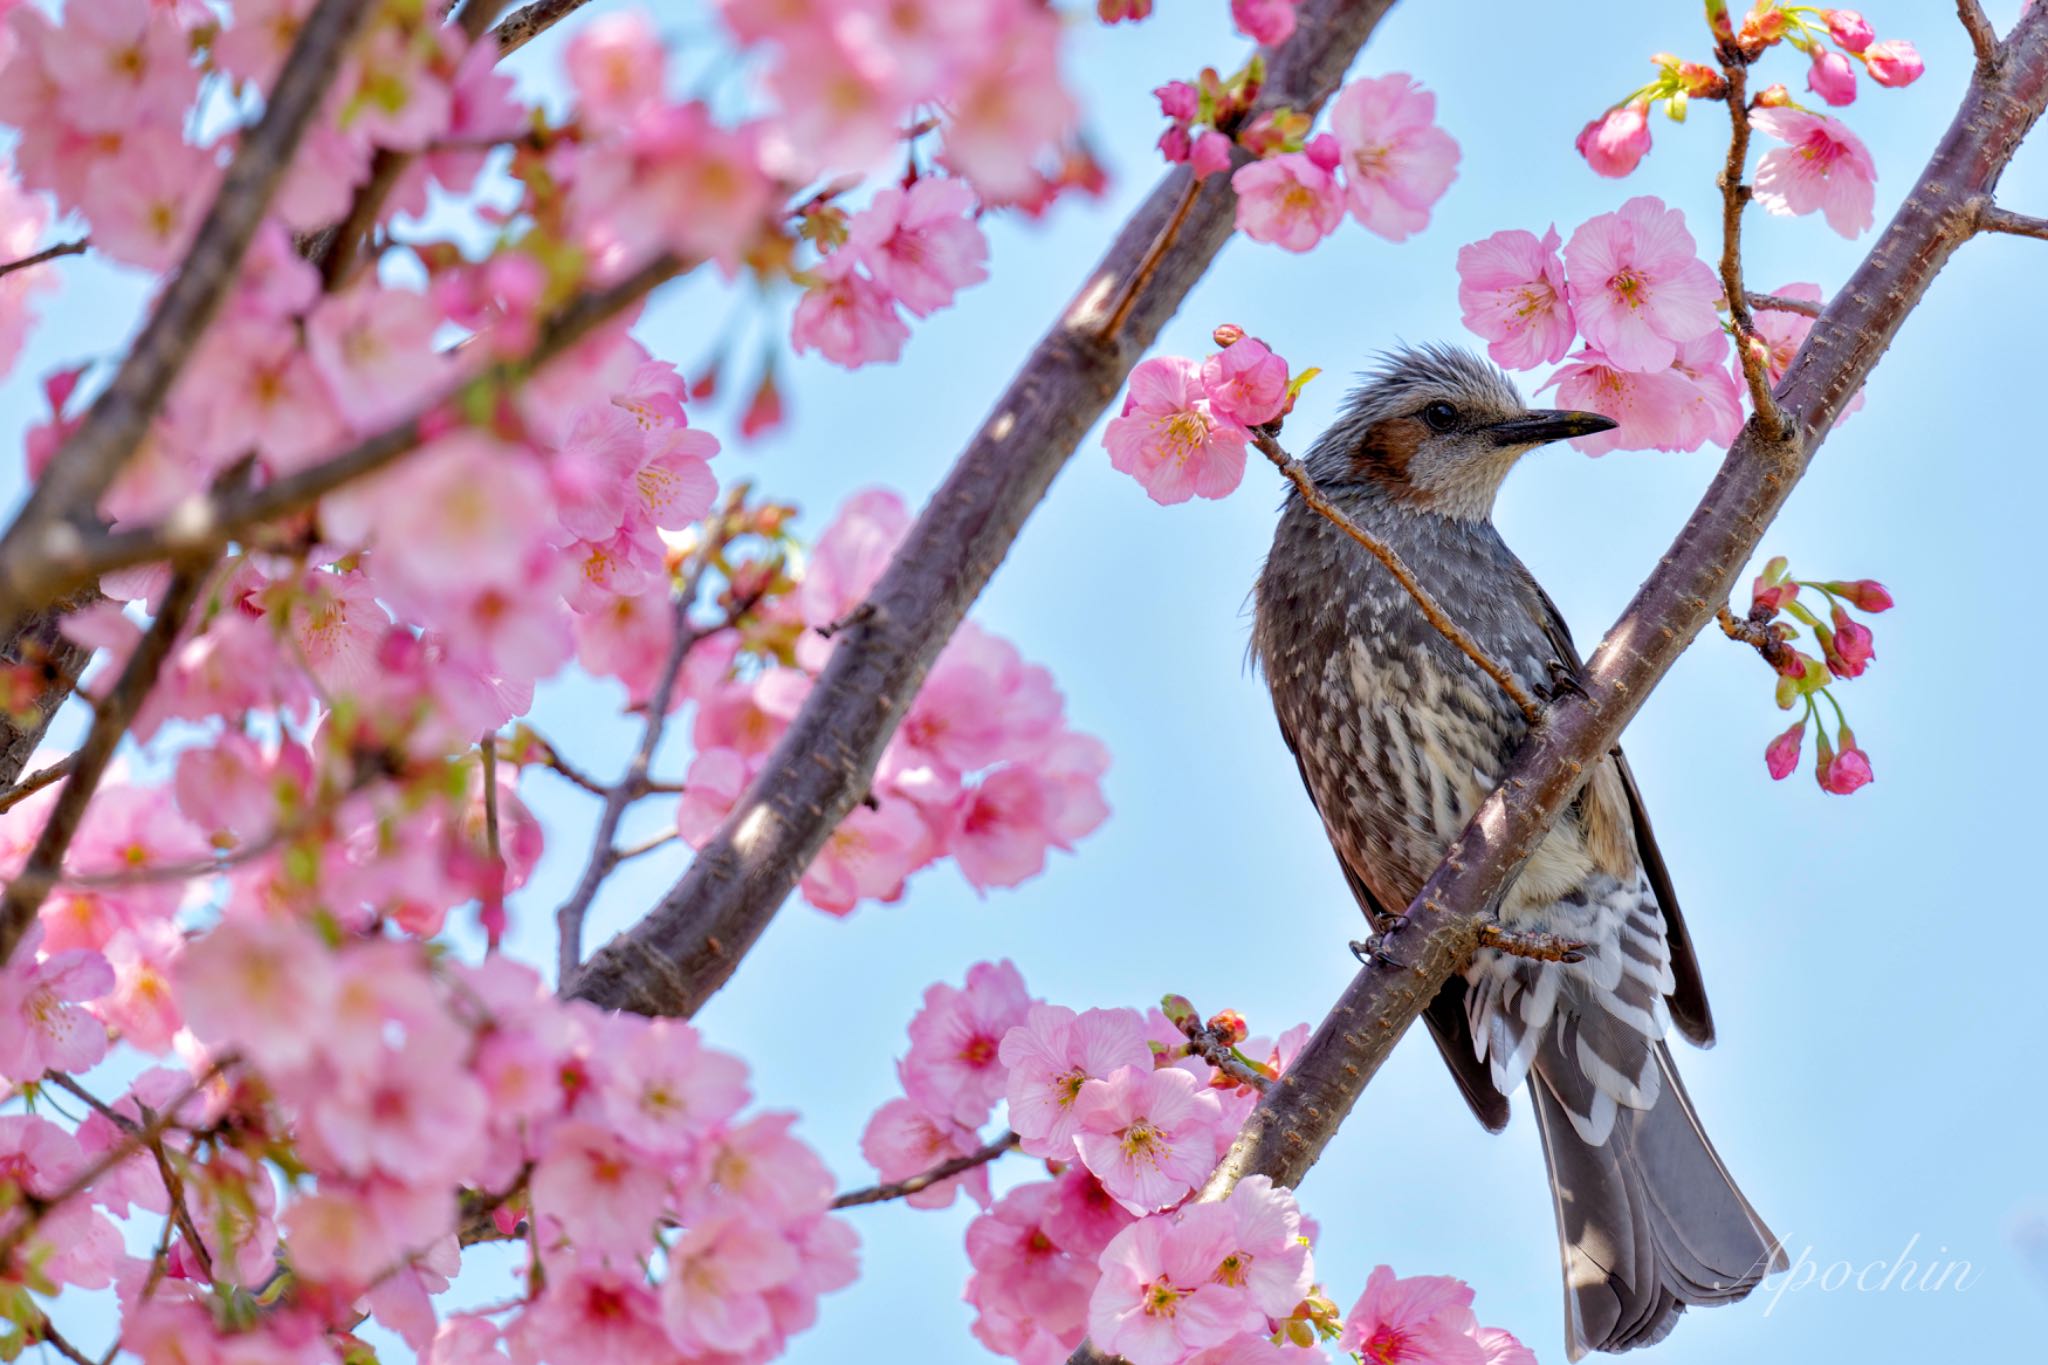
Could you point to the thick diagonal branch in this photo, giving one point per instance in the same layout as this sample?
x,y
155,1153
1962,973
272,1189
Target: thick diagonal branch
x,y
114,426
689,944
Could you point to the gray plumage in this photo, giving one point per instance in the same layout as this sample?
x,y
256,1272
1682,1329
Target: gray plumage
x,y
1399,737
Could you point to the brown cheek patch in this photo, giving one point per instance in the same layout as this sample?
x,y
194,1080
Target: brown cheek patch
x,y
1384,453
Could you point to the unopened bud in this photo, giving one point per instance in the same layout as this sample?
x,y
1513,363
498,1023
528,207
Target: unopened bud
x,y
1228,1027
1227,334
1179,1010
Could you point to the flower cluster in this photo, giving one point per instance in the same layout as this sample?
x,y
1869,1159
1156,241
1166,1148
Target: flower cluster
x,y
348,1089
983,768
1822,166
1846,650
1632,285
1184,426
1129,1115
912,248
1384,158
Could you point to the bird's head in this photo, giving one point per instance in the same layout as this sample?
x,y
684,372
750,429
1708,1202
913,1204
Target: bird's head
x,y
1437,428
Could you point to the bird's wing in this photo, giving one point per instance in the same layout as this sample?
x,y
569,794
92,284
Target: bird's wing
x,y
1688,997
1446,1014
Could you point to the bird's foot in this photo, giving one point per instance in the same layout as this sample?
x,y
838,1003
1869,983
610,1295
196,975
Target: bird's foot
x,y
1564,678
1371,950
1531,943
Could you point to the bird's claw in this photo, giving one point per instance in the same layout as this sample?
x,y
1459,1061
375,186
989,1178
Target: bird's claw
x,y
1533,944
1563,679
1371,950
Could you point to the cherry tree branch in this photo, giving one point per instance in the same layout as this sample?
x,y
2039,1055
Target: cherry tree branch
x,y
31,886
1996,219
1780,304
945,1170
1735,196
605,853
525,24
1291,1125
114,426
1403,575
690,943
1983,37
48,253
205,523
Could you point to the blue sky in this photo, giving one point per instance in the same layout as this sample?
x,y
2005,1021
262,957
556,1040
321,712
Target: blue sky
x,y
1873,1085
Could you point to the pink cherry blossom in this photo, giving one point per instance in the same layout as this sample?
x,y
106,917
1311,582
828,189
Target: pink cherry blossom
x,y
1501,1348
42,1024
1783,332
1260,1229
1287,200
1245,382
850,554
980,704
1051,1056
1397,162
1824,167
1020,1271
1615,143
902,1140
374,349
22,219
1157,1302
1677,408
1421,1320
719,1271
664,1091
1169,438
711,786
678,180
616,64
954,1068
1512,289
846,316
145,203
72,1243
592,1309
1893,62
122,65
605,1197
1264,21
1209,154
760,1164
1084,1216
1150,1135
867,857
1638,287
252,983
1013,108
921,244
1832,77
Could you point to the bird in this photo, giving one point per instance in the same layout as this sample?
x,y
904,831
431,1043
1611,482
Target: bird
x,y
1399,736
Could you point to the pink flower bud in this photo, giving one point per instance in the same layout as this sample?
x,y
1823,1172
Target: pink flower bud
x,y
1174,144
1227,334
1616,142
1893,62
1773,97
1211,155
1229,1026
1831,77
1761,27
1178,1009
1865,594
1781,756
1178,101
1842,773
1851,649
1325,151
1114,11
1848,28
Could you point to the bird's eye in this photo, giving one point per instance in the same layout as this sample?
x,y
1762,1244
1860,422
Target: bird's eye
x,y
1440,415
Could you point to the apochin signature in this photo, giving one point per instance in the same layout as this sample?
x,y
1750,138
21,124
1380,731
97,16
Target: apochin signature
x,y
1900,1274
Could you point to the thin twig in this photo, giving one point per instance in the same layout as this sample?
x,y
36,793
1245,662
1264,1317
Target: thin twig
x,y
114,427
1995,219
45,1333
1127,297
36,781
174,1185
48,253
645,846
204,524
1734,198
1778,303
523,25
604,851
133,1140
550,758
489,749
1983,36
1403,575
945,1170
26,892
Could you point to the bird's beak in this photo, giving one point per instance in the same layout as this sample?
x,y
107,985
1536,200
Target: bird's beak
x,y
1536,428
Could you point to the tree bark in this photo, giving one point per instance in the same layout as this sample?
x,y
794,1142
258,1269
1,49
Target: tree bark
x,y
690,943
